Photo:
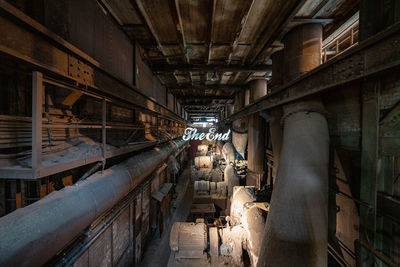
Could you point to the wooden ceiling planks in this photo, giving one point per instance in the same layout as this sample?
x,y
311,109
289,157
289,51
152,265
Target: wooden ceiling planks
x,y
158,14
228,15
279,13
196,16
124,11
196,24
161,17
329,9
310,7
218,32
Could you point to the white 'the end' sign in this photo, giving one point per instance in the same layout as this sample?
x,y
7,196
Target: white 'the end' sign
x,y
192,134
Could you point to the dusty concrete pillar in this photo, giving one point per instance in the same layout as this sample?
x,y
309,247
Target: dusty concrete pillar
x,y
256,136
296,231
239,100
258,89
302,50
246,97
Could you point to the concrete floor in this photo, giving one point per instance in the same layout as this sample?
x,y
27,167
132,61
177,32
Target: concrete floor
x,y
158,252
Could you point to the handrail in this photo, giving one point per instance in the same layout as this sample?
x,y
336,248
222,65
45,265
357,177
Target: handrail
x,y
378,254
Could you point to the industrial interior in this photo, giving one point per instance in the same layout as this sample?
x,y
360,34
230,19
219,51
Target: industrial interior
x,y
200,133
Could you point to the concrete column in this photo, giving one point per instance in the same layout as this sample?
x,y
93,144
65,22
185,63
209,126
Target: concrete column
x,y
258,89
256,137
239,100
296,231
302,50
246,97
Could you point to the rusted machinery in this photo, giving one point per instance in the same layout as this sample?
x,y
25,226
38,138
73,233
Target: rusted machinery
x,y
234,243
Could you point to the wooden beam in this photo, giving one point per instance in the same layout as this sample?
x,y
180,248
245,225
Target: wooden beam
x,y
320,7
276,33
205,87
143,13
37,106
201,97
211,29
158,69
300,20
182,32
201,111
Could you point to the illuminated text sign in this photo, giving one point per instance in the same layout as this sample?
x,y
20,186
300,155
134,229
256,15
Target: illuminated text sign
x,y
192,134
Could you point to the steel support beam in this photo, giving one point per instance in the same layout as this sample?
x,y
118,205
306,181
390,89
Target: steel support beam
x,y
206,87
37,105
158,69
369,167
375,55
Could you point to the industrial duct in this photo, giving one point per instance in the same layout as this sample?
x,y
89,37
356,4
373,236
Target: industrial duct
x,y
297,222
231,180
228,152
33,235
239,141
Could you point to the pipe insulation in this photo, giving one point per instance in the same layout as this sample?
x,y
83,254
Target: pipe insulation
x,y
228,152
231,180
239,141
31,236
296,231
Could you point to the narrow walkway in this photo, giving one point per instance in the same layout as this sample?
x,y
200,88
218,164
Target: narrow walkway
x,y
158,252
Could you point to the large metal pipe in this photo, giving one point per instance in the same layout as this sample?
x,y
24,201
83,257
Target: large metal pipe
x,y
296,231
231,180
258,89
33,235
297,222
239,141
228,152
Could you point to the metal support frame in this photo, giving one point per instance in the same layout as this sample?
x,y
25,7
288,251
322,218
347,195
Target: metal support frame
x,y
378,254
371,57
37,99
369,168
104,132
